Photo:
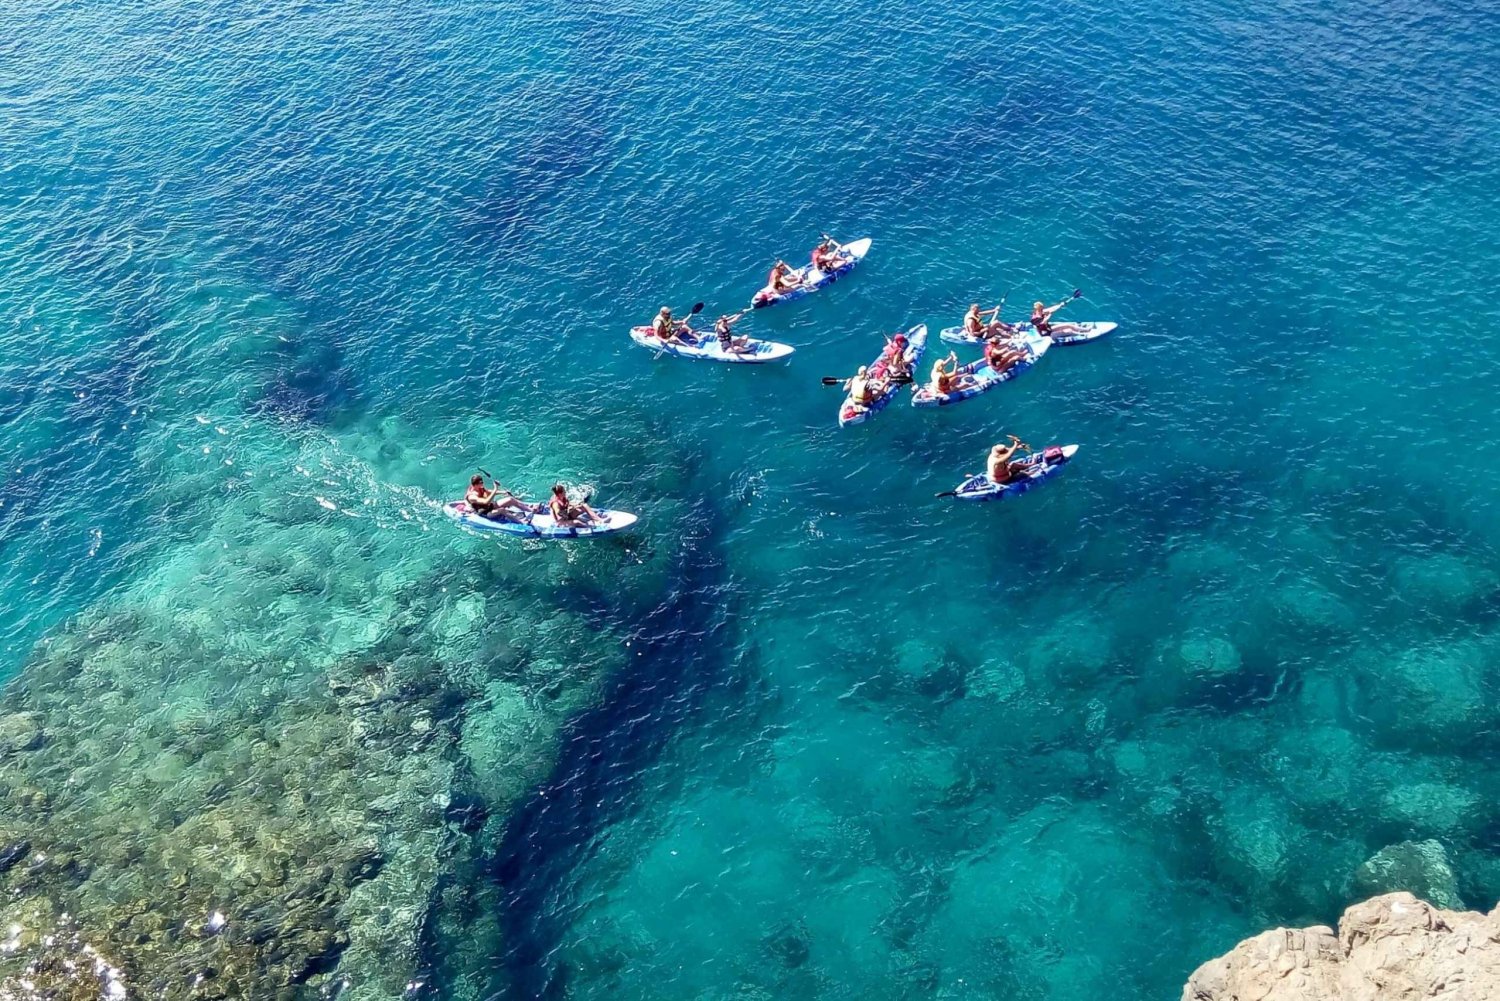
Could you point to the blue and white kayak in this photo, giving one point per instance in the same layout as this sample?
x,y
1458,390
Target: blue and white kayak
x,y
853,413
1081,333
981,377
1040,467
814,278
707,348
539,526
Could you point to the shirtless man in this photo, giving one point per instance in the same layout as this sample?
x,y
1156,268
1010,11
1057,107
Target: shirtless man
x,y
948,376
1000,469
827,255
783,278
496,503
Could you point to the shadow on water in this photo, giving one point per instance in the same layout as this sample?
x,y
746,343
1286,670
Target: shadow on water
x,y
684,650
308,383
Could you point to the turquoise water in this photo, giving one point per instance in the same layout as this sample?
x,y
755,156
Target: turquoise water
x,y
278,277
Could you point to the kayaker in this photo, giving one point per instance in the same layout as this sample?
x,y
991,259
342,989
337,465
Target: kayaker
x,y
494,503
976,326
898,365
825,256
568,513
861,391
947,375
783,278
1041,319
723,330
1001,355
668,330
1000,469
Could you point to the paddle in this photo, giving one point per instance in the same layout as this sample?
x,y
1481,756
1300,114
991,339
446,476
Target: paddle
x,y
997,309
1077,294
896,380
495,482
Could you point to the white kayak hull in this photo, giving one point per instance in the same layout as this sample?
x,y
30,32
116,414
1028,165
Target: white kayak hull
x,y
708,349
1081,333
540,526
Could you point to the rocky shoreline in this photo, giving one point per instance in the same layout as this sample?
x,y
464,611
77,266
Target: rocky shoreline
x,y
1389,948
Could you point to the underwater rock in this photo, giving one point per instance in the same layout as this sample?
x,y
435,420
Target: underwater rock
x,y
1419,867
1208,655
1442,584
1428,696
1071,651
222,825
1390,948
20,732
12,853
1430,807
1253,837
1307,606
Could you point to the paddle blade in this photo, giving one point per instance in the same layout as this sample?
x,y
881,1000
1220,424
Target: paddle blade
x,y
947,493
697,308
829,380
1078,293
486,472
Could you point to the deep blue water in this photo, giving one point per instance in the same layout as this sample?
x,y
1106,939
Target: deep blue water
x,y
876,744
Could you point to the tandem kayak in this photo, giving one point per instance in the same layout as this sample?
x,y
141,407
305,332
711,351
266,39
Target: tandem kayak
x,y
708,349
983,378
541,526
1040,467
852,413
813,278
1086,332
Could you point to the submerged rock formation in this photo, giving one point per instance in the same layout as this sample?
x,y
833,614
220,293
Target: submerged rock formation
x,y
228,791
1389,948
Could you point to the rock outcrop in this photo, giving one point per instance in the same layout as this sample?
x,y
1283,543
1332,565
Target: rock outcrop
x,y
1389,948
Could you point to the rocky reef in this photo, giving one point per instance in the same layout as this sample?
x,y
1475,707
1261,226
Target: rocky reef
x,y
1389,948
266,766
171,836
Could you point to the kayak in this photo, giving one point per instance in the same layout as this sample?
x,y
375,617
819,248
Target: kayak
x,y
541,526
1091,331
850,413
814,278
708,349
983,377
1041,466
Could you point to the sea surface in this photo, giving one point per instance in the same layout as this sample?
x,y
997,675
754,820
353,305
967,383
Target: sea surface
x,y
875,744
